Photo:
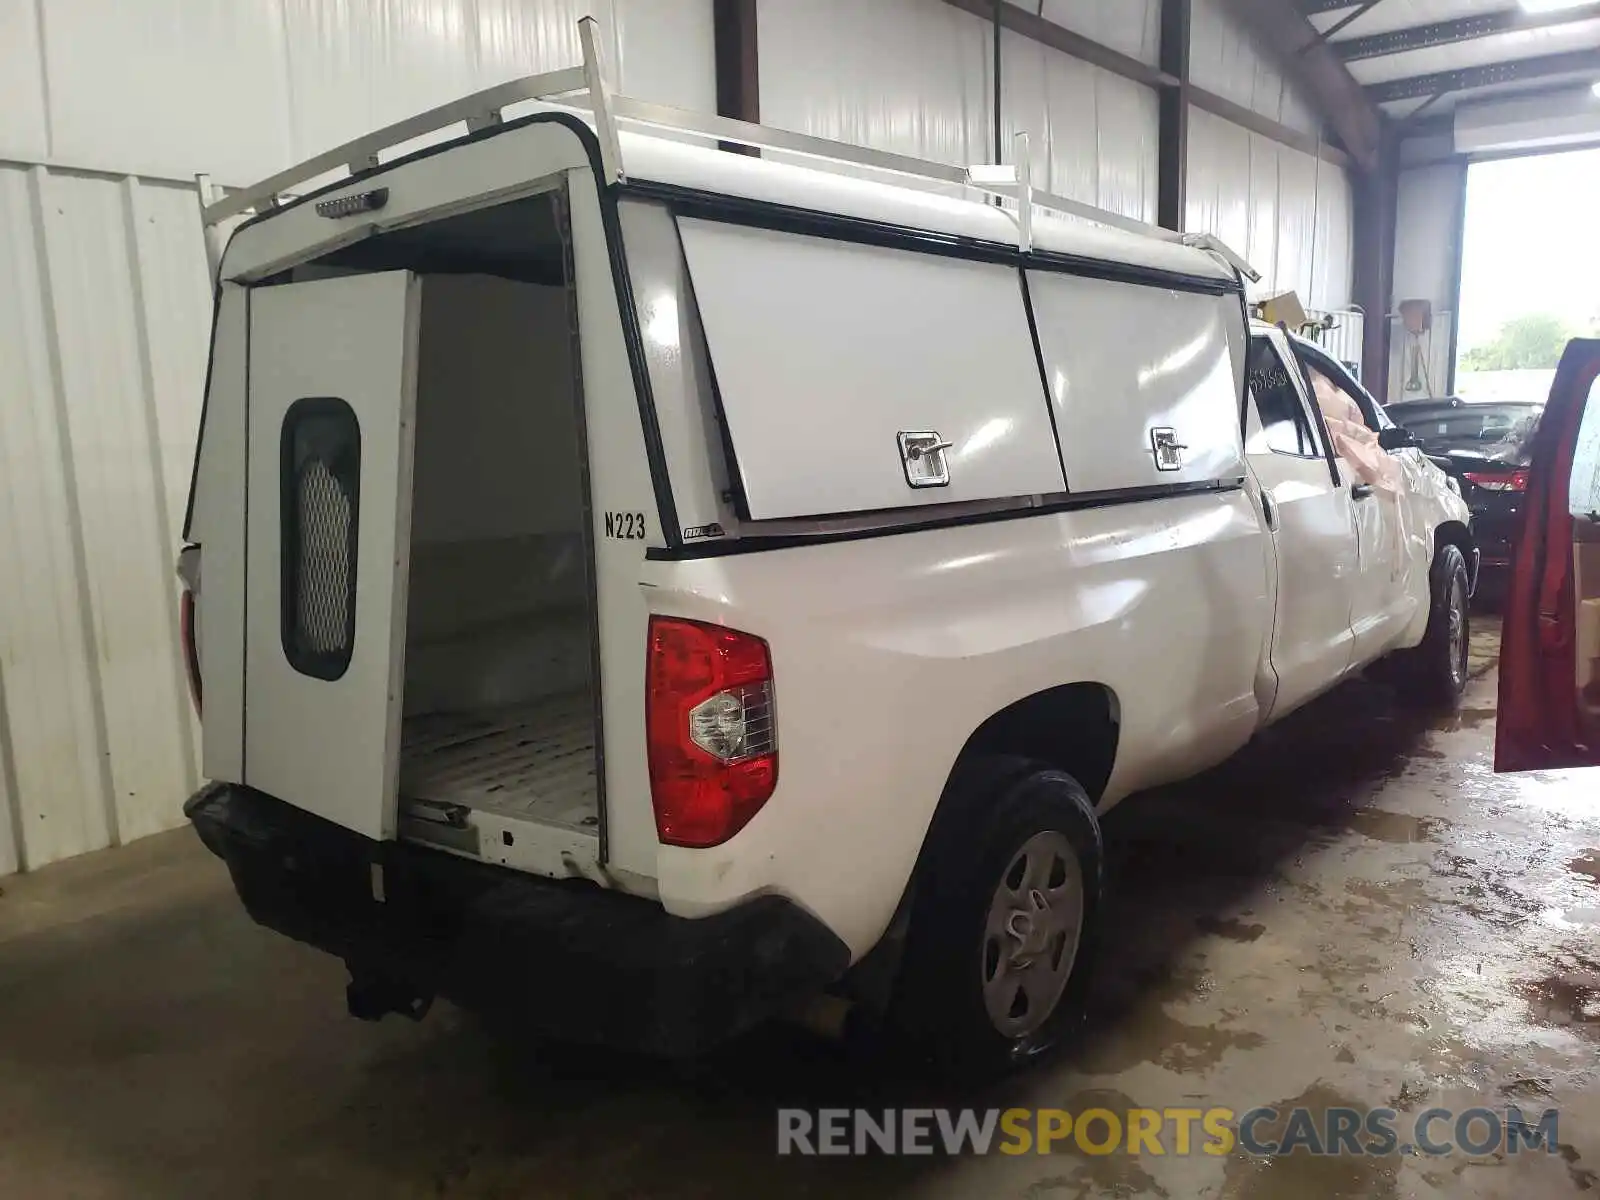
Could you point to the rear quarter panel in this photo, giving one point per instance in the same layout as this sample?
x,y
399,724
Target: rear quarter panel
x,y
889,652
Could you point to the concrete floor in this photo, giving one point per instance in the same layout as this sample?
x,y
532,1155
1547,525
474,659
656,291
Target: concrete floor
x,y
1354,911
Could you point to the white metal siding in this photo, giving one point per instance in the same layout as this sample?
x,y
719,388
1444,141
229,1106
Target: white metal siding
x,y
1288,213
103,312
1131,26
916,77
904,75
1225,58
1092,134
242,88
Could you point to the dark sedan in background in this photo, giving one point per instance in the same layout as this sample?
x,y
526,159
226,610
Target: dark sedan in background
x,y
1484,446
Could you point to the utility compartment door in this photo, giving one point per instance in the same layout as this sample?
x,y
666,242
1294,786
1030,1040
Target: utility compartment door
x,y
1144,380
855,378
332,397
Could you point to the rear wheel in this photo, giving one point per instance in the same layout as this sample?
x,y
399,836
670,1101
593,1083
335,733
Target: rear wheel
x,y
1435,673
1000,927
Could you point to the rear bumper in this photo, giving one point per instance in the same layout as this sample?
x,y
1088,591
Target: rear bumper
x,y
562,958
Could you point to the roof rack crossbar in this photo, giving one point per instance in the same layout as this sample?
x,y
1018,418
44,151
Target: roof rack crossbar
x,y
586,88
479,109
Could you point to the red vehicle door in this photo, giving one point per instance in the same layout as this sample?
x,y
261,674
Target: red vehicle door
x,y
1550,651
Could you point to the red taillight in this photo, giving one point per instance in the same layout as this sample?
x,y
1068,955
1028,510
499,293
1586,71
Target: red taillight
x,y
710,725
1499,481
191,652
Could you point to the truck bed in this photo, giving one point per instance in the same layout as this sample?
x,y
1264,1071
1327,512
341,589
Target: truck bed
x,y
532,762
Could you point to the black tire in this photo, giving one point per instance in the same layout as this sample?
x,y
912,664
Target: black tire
x,y
993,807
1434,674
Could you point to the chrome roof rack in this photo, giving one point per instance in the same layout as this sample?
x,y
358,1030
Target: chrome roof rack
x,y
585,88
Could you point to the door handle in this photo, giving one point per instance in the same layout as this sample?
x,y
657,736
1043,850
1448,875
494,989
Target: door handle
x,y
1360,491
1269,512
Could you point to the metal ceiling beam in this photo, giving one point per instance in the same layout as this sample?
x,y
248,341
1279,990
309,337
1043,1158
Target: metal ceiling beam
x,y
1573,62
1463,29
1313,64
1326,35
1313,8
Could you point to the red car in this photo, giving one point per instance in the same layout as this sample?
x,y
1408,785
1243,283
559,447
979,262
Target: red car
x,y
1550,657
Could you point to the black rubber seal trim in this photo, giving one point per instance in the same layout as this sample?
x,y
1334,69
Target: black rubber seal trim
x,y
758,543
763,214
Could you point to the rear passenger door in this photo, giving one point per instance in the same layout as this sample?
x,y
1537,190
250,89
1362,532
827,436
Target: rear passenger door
x,y
1308,514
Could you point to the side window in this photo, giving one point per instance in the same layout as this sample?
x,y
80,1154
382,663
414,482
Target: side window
x,y
1285,422
1326,373
320,486
1583,494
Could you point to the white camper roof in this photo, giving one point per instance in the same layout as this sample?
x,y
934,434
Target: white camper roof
x,y
912,205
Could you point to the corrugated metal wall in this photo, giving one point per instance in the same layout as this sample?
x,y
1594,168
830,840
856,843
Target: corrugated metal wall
x,y
917,77
103,317
1288,212
1224,58
106,106
242,88
105,313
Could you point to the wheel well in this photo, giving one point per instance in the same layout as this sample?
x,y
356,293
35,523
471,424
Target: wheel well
x,y
1454,533
1073,728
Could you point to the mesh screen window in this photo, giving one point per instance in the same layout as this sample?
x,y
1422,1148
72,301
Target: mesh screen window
x,y
320,486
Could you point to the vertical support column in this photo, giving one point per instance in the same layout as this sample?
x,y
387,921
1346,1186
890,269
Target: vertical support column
x,y
209,193
1458,250
997,102
1172,145
1377,198
734,48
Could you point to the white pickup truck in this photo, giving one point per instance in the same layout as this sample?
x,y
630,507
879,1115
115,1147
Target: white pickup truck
x,y
645,586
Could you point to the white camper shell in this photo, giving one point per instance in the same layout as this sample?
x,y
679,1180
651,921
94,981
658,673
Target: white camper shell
x,y
683,526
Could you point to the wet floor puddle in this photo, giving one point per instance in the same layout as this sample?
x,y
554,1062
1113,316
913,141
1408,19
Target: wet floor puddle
x,y
1586,863
1465,718
1231,928
1382,825
1097,1175
1398,895
1568,999
1296,1175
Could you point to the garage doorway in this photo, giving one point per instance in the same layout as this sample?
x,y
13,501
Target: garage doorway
x,y
1530,272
